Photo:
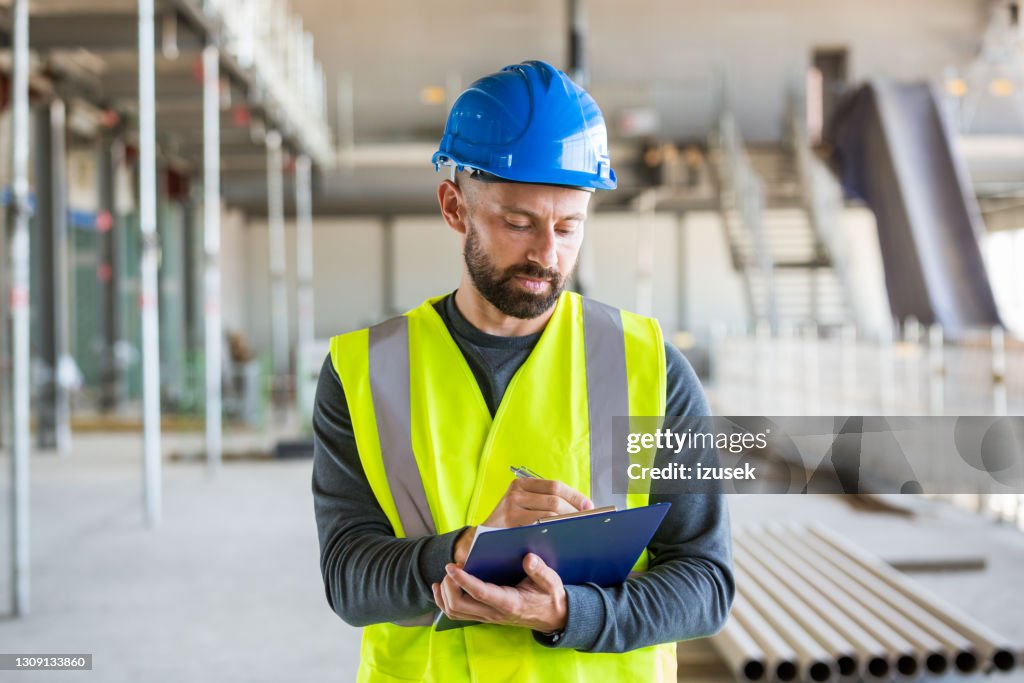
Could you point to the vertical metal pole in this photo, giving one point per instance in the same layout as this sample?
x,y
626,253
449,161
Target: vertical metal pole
x,y
346,120
211,250
999,397
577,43
44,292
936,376
304,250
61,291
109,272
52,407
148,272
682,291
193,274
762,361
19,311
812,370
645,247
887,368
912,339
388,273
848,379
278,285
5,359
717,334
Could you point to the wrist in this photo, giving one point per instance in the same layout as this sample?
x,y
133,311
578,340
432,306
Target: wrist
x,y
561,615
463,544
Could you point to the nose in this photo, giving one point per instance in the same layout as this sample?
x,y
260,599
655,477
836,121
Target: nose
x,y
545,248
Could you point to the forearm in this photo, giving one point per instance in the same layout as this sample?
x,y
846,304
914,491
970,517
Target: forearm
x,y
678,600
369,575
372,577
686,593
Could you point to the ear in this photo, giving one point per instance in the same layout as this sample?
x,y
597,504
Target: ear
x,y
453,205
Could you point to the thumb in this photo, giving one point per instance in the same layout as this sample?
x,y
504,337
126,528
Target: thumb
x,y
541,574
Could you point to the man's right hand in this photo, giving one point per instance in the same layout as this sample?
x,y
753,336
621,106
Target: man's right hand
x,y
526,501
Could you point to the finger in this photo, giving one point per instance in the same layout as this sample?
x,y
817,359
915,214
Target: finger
x,y
480,591
468,609
465,606
450,592
521,517
435,588
546,578
540,502
556,488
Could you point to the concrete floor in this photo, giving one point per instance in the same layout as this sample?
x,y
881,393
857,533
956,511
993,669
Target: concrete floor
x,y
229,588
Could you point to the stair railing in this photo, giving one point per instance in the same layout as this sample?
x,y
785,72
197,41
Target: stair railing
x,y
823,201
743,191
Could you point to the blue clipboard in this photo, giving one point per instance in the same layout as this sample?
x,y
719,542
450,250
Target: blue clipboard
x,y
599,549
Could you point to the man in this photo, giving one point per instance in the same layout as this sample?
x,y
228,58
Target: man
x,y
418,420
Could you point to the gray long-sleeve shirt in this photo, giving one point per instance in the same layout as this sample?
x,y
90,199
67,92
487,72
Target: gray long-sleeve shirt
x,y
370,576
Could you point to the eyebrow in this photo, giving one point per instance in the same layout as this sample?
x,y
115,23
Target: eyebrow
x,y
526,212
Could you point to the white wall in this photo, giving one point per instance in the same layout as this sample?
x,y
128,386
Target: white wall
x,y
714,292
350,291
347,286
615,241
428,260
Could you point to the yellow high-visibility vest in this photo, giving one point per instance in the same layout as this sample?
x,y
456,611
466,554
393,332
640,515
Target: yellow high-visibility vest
x,y
437,461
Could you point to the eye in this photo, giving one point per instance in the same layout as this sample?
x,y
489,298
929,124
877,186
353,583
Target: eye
x,y
517,226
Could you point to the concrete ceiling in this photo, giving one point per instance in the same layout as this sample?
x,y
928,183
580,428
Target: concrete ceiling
x,y
666,55
664,59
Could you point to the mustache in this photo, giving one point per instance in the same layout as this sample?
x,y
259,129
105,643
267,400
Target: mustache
x,y
533,271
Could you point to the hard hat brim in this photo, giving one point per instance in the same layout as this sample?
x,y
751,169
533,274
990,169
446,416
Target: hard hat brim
x,y
579,180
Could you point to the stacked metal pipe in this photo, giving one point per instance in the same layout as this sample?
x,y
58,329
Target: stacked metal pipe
x,y
812,606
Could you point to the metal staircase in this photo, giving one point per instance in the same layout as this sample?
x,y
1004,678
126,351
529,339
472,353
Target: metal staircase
x,y
780,212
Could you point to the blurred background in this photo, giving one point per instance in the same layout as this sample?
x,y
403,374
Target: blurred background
x,y
822,203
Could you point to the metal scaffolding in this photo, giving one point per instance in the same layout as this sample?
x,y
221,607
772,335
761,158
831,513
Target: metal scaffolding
x,y
257,76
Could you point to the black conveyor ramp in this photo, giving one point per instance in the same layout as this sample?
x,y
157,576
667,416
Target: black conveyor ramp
x,y
894,152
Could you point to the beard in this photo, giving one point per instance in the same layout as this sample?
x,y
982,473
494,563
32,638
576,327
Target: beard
x,y
499,287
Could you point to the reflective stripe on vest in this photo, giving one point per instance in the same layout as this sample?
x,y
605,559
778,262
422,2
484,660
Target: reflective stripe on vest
x,y
389,383
607,397
607,393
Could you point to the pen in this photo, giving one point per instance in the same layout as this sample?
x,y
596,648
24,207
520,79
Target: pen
x,y
524,473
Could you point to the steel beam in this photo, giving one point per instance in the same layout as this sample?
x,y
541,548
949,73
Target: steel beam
x,y
148,270
99,32
211,250
19,212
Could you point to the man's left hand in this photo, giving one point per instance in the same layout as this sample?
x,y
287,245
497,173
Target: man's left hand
x,y
538,602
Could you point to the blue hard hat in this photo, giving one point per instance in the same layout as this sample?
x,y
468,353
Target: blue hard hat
x,y
528,123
